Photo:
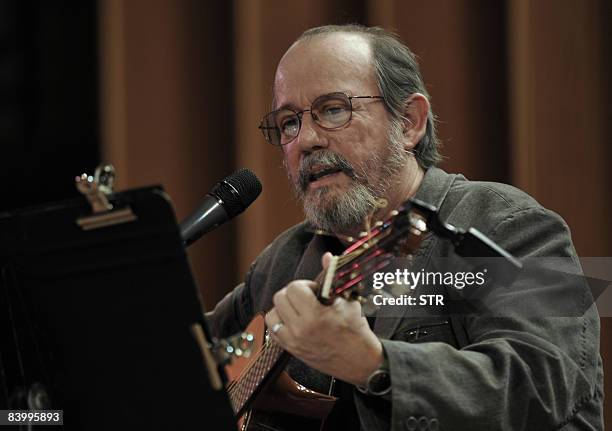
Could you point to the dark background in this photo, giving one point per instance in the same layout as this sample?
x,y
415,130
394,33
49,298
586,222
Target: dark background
x,y
49,105
171,92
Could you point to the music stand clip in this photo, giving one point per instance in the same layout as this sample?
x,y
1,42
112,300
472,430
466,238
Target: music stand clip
x,y
97,189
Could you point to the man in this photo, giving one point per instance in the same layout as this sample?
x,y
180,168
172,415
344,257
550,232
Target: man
x,y
352,117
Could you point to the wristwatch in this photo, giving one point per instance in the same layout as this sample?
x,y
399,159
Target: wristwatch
x,y
379,382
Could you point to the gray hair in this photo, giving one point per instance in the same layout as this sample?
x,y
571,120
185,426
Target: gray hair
x,y
397,76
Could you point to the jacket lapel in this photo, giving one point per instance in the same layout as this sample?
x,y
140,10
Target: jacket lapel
x,y
310,264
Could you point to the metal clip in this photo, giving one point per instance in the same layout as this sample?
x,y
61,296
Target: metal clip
x,y
97,190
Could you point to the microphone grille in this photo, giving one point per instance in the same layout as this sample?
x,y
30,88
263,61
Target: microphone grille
x,y
237,191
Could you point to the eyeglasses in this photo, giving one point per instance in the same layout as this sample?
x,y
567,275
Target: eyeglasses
x,y
330,111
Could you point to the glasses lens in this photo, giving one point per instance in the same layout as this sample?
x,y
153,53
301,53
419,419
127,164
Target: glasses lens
x,y
329,111
332,110
288,123
280,127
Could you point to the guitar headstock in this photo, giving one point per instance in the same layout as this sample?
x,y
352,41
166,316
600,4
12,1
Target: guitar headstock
x,y
400,235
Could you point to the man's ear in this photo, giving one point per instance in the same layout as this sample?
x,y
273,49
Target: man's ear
x,y
415,120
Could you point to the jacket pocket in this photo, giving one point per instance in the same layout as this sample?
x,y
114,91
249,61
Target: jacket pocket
x,y
431,331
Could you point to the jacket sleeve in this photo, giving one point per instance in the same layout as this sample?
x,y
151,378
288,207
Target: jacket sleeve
x,y
520,370
234,312
272,269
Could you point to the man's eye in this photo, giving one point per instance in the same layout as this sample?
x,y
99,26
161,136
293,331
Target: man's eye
x,y
289,126
333,110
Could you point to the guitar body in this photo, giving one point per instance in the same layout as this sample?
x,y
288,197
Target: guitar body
x,y
282,402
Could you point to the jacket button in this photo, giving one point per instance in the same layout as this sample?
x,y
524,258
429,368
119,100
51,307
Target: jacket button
x,y
423,424
434,425
412,423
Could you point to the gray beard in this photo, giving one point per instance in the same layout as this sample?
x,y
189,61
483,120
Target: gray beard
x,y
347,212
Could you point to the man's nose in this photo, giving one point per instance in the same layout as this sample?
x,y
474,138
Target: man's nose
x,y
311,136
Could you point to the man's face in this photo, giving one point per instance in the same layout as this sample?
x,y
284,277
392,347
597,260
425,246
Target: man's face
x,y
363,157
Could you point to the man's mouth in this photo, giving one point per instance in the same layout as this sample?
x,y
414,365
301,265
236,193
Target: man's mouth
x,y
321,167
320,172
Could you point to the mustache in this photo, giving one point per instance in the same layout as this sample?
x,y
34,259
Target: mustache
x,y
322,157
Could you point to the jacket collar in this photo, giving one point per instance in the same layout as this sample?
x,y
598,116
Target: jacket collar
x,y
435,186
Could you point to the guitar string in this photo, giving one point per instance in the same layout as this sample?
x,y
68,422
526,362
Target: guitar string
x,y
253,379
248,385
246,376
250,365
260,353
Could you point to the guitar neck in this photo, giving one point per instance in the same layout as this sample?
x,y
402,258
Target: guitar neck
x,y
270,360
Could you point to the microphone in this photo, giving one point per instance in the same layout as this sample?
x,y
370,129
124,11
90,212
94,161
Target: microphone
x,y
228,198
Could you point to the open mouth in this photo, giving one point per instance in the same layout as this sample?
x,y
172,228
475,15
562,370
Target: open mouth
x,y
322,167
318,173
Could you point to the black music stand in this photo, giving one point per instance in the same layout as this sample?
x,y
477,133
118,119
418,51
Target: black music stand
x,y
99,316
